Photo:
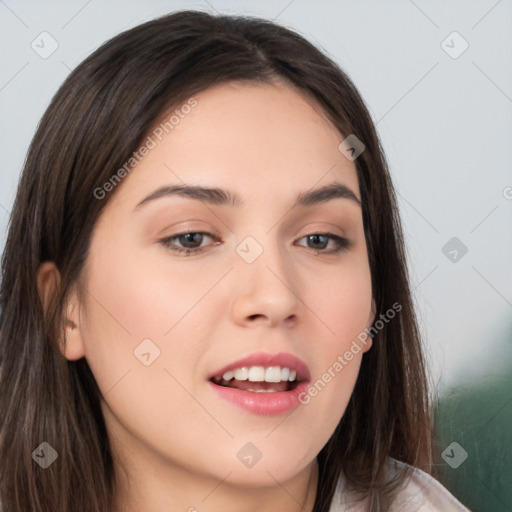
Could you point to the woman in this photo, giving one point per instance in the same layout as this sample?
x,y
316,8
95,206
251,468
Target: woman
x,y
205,295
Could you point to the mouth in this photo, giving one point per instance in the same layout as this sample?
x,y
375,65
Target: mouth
x,y
259,379
263,383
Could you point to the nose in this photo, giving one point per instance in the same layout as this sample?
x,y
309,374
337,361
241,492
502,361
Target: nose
x,y
265,293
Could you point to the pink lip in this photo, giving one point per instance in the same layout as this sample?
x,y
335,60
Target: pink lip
x,y
265,404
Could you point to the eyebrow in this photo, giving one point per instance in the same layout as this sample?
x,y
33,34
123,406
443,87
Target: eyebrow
x,y
222,197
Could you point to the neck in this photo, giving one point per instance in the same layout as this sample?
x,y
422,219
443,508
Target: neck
x,y
177,489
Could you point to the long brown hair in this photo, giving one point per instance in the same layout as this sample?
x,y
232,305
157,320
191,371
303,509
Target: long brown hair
x,y
95,122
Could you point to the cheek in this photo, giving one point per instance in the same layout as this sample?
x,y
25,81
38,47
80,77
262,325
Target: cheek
x,y
132,297
341,300
136,292
125,308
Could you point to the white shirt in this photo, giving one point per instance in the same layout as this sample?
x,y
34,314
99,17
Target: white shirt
x,y
420,493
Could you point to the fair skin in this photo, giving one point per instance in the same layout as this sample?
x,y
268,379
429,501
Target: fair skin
x,y
174,440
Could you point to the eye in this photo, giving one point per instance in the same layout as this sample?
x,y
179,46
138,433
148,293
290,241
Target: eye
x,y
190,242
320,241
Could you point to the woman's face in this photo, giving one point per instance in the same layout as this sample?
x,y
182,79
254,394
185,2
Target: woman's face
x,y
160,329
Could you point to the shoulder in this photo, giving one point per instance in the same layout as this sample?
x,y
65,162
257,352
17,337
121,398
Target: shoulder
x,y
419,493
423,493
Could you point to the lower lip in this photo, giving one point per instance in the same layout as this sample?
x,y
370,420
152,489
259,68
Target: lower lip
x,y
264,404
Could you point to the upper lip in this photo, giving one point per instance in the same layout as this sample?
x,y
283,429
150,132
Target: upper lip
x,y
265,359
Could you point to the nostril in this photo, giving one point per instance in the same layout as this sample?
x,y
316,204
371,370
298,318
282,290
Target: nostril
x,y
257,315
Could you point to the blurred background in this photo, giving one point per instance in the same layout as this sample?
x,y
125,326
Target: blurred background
x,y
437,78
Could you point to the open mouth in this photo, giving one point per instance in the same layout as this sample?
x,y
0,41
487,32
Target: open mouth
x,y
259,379
262,383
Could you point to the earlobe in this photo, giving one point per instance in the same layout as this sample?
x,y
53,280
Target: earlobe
x,y
48,283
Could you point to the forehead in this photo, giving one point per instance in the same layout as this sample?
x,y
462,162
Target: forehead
x,y
246,137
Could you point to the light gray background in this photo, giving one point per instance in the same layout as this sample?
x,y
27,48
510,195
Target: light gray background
x,y
445,124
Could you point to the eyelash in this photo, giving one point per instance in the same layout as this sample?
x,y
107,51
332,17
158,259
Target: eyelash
x,y
343,244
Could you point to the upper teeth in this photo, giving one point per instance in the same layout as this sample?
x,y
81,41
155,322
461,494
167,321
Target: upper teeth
x,y
261,374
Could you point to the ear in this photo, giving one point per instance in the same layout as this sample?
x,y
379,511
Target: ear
x,y
371,318
48,282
